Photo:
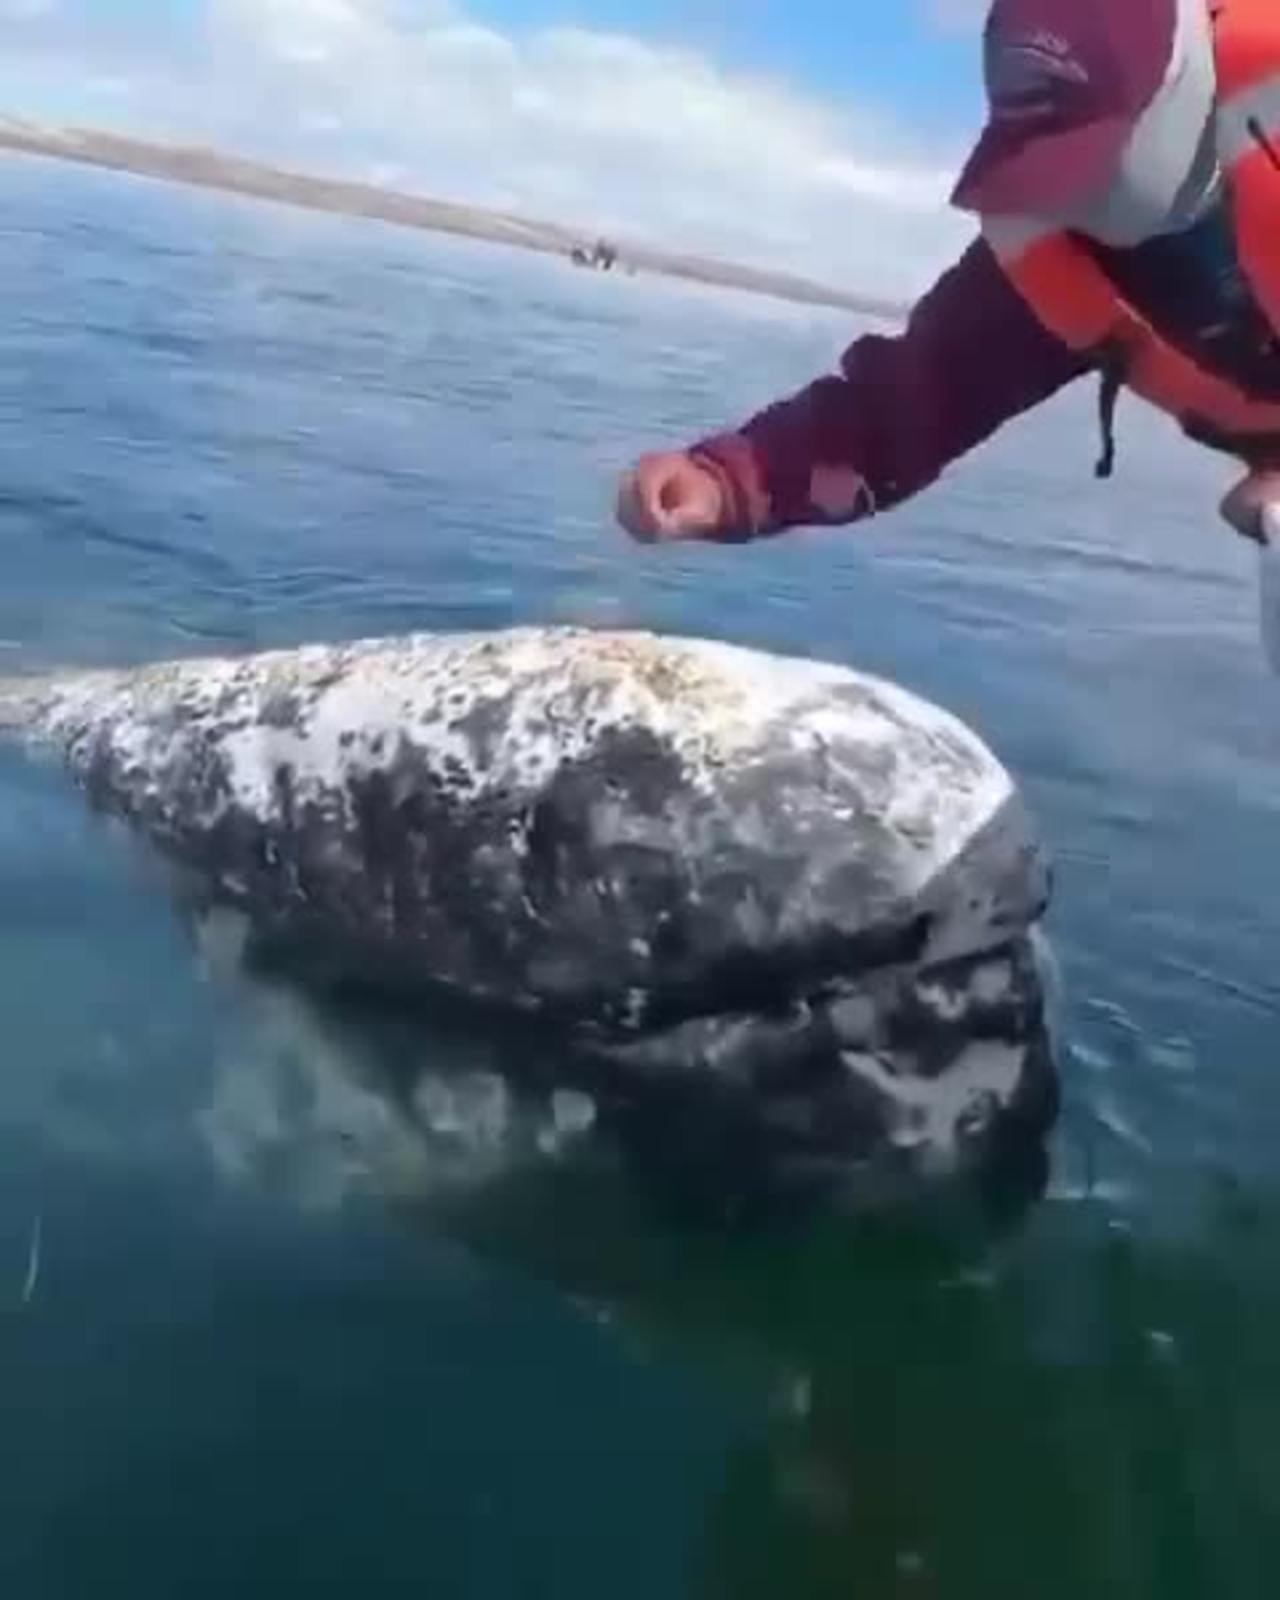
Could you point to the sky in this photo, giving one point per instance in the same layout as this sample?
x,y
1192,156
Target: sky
x,y
816,135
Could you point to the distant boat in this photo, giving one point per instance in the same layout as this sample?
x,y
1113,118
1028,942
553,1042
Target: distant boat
x,y
603,256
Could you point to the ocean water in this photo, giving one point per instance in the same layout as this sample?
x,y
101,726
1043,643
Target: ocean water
x,y
255,1341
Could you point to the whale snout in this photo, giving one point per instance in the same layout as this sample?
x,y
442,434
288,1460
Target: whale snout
x,y
782,915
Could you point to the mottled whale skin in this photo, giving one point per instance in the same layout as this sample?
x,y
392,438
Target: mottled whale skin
x,y
775,887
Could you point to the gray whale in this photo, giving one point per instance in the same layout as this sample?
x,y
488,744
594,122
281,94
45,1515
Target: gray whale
x,y
769,896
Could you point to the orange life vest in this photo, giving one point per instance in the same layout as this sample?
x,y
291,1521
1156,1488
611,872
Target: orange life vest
x,y
1074,298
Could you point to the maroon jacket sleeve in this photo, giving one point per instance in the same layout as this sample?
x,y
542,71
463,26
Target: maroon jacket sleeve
x,y
901,409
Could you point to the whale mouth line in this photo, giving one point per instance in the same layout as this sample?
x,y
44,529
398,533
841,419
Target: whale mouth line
x,y
895,987
762,982
756,983
756,1022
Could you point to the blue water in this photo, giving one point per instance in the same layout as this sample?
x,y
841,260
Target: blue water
x,y
259,1356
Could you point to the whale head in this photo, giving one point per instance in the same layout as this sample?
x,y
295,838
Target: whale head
x,y
787,905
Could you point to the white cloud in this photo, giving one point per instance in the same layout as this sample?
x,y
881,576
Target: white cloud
x,y
601,129
590,128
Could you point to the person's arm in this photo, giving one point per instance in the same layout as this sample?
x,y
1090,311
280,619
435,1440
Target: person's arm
x,y
900,410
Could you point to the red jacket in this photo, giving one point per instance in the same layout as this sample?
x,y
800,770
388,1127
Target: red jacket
x,y
899,411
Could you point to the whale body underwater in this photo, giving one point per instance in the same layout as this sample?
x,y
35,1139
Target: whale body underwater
x,y
764,894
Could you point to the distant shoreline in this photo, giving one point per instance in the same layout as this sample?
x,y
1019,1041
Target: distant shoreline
x,y
206,168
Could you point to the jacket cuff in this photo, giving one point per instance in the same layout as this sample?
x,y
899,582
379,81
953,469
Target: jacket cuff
x,y
730,458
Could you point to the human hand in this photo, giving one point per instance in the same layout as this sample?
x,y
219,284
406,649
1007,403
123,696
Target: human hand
x,y
669,496
1246,506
